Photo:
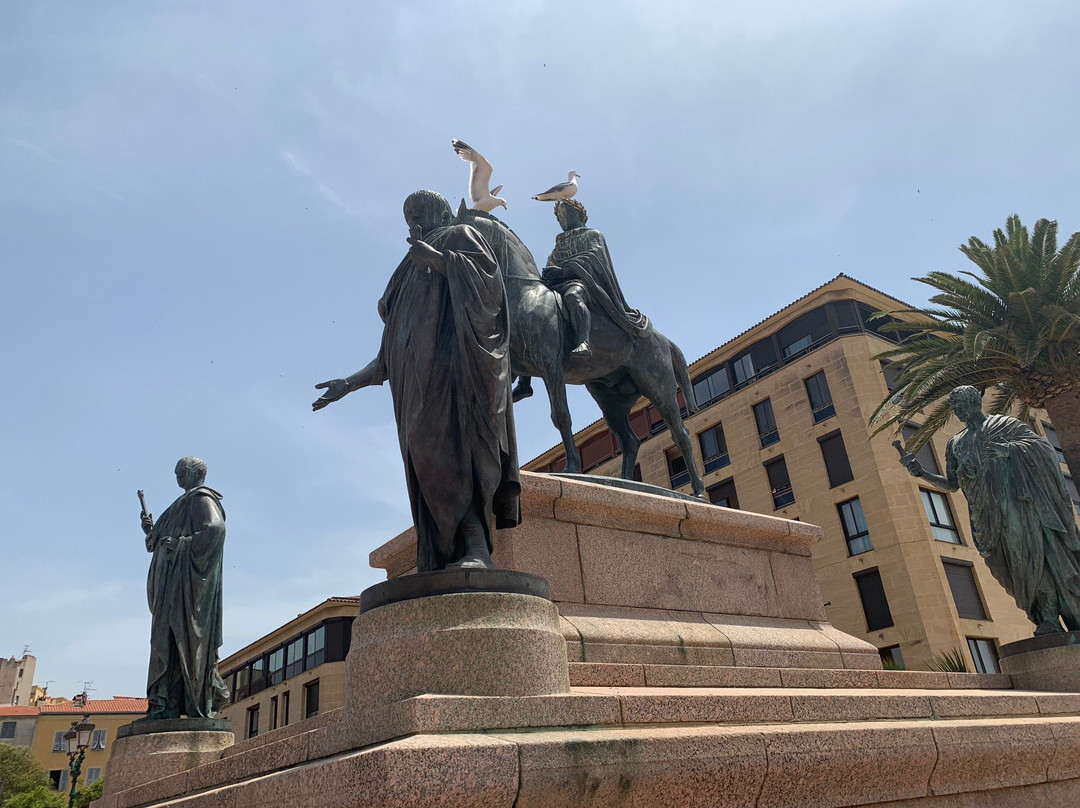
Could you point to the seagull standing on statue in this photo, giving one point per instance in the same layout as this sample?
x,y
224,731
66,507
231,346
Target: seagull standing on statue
x,y
562,191
480,198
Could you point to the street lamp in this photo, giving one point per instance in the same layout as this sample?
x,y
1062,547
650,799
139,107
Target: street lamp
x,y
78,741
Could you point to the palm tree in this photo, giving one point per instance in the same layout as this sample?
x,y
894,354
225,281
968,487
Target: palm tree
x,y
1014,328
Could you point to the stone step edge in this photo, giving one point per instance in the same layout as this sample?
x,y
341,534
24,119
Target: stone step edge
x,y
617,674
1002,745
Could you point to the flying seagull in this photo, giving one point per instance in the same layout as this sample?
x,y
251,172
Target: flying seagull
x,y
479,177
564,190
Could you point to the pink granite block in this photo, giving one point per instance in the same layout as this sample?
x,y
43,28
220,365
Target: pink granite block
x,y
810,677
913,680
603,674
709,523
1058,703
992,753
710,676
289,751
295,728
696,705
980,681
218,798
772,658
546,548
152,791
478,713
592,504
857,654
974,704
754,632
538,495
662,767
858,705
610,634
624,568
1065,764
834,765
797,591
139,759
1044,795
397,556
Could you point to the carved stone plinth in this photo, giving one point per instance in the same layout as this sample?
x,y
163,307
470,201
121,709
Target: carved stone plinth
x,y
1047,662
151,750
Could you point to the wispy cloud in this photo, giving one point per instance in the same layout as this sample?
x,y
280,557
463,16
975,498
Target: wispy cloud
x,y
40,152
327,193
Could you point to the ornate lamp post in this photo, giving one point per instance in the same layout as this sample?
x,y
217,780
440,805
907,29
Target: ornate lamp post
x,y
78,741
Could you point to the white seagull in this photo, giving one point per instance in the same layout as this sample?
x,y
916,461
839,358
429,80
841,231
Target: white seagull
x,y
479,177
564,190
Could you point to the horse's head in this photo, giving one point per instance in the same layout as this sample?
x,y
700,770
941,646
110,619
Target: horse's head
x,y
514,257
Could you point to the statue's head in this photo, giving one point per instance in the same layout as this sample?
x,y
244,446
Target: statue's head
x,y
570,214
190,472
965,401
427,209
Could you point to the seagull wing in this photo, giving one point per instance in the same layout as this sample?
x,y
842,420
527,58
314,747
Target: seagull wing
x,y
479,170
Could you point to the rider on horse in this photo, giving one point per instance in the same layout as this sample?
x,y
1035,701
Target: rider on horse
x,y
580,270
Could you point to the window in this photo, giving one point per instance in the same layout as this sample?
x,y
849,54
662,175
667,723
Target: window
x,y
779,482
677,470
93,774
243,677
58,744
285,709
965,593
817,390
836,459
21,672
1070,484
637,472
1051,435
796,346
258,674
275,669
743,368
273,712
854,525
874,603
253,721
311,699
294,658
940,516
7,729
316,648
892,657
63,784
891,372
711,386
98,739
723,494
766,423
925,455
713,448
983,654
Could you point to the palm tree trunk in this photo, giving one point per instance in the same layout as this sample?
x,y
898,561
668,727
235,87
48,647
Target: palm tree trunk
x,y
1064,412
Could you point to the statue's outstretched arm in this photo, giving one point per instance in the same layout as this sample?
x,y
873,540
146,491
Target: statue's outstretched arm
x,y
374,372
943,483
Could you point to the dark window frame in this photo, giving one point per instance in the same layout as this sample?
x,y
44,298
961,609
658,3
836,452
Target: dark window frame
x,y
678,471
854,536
984,654
882,614
253,721
765,420
961,573
929,499
719,487
715,456
839,469
311,711
7,730
783,494
820,397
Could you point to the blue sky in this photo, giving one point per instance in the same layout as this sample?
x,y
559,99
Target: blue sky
x,y
200,204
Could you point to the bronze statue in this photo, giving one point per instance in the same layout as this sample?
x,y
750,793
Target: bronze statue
x,y
1021,512
184,593
446,353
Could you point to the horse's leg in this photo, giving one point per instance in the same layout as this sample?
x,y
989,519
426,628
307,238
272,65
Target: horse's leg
x,y
657,384
560,415
523,388
616,409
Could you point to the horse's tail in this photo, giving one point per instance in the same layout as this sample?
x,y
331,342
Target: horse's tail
x,y
682,376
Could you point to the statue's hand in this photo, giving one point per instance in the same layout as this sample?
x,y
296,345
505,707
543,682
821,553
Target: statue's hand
x,y
423,254
913,466
147,523
335,389
554,274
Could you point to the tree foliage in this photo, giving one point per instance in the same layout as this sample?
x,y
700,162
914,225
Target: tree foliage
x,y
19,772
1013,326
85,796
39,797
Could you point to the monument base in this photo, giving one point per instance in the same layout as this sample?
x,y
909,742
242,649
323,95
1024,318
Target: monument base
x,y
149,750
1046,662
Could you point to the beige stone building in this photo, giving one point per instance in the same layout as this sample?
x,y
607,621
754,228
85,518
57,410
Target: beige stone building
x,y
16,678
782,430
295,672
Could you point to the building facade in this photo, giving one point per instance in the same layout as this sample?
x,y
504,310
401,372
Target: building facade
x,y
782,430
17,724
16,678
293,673
56,718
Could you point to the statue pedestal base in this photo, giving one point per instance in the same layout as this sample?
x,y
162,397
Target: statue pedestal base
x,y
149,750
1048,662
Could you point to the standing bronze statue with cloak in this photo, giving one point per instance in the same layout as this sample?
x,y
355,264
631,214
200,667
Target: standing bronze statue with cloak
x,y
445,351
1021,513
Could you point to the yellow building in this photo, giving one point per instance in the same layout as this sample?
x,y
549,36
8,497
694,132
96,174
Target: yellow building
x,y
782,429
54,719
295,672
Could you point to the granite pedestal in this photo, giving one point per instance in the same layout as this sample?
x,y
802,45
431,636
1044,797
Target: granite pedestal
x,y
1046,662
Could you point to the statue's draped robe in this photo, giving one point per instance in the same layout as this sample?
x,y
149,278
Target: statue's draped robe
x,y
183,589
583,253
1021,515
446,353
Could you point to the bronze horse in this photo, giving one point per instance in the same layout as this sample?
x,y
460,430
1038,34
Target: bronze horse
x,y
621,369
